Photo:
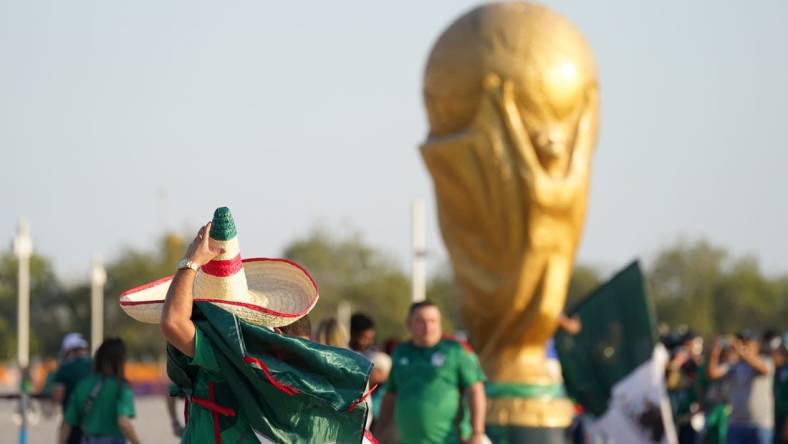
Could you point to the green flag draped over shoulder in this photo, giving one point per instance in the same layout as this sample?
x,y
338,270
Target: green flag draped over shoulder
x,y
287,390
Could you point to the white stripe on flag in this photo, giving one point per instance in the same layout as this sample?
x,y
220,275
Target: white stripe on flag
x,y
368,438
638,404
262,438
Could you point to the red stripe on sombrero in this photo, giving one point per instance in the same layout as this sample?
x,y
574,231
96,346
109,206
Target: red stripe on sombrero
x,y
146,286
278,314
222,301
223,268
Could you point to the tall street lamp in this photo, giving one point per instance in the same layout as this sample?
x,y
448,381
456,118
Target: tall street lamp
x,y
98,277
23,249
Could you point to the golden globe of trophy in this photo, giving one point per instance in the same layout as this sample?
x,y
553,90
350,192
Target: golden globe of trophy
x,y
511,97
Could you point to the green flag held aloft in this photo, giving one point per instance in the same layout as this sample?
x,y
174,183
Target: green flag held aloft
x,y
614,367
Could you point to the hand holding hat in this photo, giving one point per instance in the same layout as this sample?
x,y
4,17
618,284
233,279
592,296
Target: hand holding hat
x,y
200,250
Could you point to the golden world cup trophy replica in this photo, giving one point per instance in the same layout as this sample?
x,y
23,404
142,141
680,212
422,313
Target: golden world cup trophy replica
x,y
511,96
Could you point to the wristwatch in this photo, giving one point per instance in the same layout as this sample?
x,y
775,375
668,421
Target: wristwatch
x,y
187,263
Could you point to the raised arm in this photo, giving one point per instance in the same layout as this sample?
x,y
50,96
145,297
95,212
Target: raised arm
x,y
751,357
502,93
571,325
715,370
585,138
176,324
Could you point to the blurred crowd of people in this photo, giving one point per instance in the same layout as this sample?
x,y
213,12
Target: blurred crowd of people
x,y
96,399
426,380
731,389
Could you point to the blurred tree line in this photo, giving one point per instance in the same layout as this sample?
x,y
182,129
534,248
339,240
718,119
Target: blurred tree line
x,y
56,309
372,281
693,283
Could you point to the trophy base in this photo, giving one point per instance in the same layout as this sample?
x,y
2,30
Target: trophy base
x,y
520,435
529,412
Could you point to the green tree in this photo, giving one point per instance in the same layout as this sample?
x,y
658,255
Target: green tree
x,y
442,290
584,280
48,307
702,286
683,281
130,269
744,295
345,268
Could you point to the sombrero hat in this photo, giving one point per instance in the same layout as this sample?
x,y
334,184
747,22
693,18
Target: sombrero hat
x,y
261,291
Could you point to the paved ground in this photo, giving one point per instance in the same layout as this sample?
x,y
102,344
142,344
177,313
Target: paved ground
x,y
152,423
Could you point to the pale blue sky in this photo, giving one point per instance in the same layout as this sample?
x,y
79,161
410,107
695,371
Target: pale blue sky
x,y
297,112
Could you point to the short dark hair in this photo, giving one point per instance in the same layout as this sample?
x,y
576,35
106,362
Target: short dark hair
x,y
300,328
745,335
769,334
688,335
110,358
421,304
360,322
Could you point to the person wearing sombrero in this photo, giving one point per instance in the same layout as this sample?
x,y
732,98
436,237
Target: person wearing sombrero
x,y
245,382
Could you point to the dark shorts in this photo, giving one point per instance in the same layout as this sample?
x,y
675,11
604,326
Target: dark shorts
x,y
741,434
75,436
88,439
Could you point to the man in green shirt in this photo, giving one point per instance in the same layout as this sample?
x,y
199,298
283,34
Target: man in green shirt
x,y
75,367
428,378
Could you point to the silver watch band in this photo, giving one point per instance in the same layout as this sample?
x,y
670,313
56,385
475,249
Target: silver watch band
x,y
186,264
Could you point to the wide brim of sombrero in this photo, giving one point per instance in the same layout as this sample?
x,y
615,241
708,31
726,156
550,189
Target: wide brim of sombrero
x,y
280,293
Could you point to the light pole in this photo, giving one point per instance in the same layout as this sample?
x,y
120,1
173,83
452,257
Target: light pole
x,y
98,277
23,249
418,243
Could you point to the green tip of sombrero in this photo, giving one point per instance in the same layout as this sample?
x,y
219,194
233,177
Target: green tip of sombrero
x,y
223,226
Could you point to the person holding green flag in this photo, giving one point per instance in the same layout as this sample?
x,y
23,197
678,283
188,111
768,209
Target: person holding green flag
x,y
244,381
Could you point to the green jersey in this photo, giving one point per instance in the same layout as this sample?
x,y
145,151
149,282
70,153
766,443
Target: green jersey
x,y
248,384
781,392
428,383
212,410
71,372
112,401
